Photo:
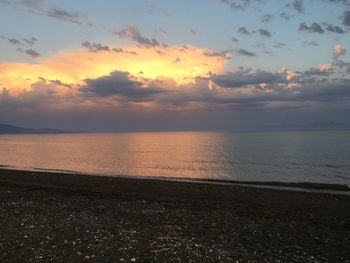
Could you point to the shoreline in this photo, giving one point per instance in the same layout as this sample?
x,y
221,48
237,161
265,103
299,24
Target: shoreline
x,y
58,217
311,187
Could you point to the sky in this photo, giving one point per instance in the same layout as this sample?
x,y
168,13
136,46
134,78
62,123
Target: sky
x,y
132,65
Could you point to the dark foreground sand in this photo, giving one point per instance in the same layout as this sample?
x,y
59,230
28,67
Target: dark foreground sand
x,y
52,217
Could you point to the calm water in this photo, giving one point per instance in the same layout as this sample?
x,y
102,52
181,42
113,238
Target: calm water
x,y
248,156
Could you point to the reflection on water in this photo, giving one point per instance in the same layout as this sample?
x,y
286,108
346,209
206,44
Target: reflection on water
x,y
250,156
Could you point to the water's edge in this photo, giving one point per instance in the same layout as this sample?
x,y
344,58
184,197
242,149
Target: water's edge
x,y
309,187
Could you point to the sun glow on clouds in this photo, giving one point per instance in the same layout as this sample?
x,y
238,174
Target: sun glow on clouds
x,y
182,64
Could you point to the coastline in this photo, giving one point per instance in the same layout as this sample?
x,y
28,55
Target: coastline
x,y
311,187
57,216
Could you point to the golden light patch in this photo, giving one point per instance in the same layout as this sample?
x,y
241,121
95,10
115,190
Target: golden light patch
x,y
179,63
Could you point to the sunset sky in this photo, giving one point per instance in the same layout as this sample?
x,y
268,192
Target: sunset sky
x,y
174,65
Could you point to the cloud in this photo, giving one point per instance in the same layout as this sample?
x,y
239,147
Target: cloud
x,y
345,2
33,6
244,52
74,66
235,40
63,15
265,33
29,52
346,18
30,41
95,47
42,95
298,5
120,93
133,33
241,78
334,29
310,43
317,28
338,51
121,84
241,5
70,17
12,41
242,30
224,54
325,67
267,18
323,70
40,8
313,28
279,45
285,16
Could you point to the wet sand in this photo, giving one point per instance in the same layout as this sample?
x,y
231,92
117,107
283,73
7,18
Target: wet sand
x,y
57,217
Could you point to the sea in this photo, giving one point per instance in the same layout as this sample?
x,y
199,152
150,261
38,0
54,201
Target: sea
x,y
283,156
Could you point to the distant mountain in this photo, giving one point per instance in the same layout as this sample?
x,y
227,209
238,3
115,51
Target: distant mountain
x,y
9,129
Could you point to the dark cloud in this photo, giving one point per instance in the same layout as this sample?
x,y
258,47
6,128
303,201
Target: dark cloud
x,y
343,66
29,52
193,32
40,8
63,15
317,28
242,78
97,47
334,29
26,41
285,16
325,91
67,16
120,84
235,40
313,28
345,2
33,4
244,52
311,43
279,45
298,5
265,33
241,5
30,5
313,72
346,18
267,18
242,30
30,41
12,41
311,85
133,33
239,92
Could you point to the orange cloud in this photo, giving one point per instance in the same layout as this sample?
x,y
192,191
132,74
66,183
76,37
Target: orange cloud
x,y
182,64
